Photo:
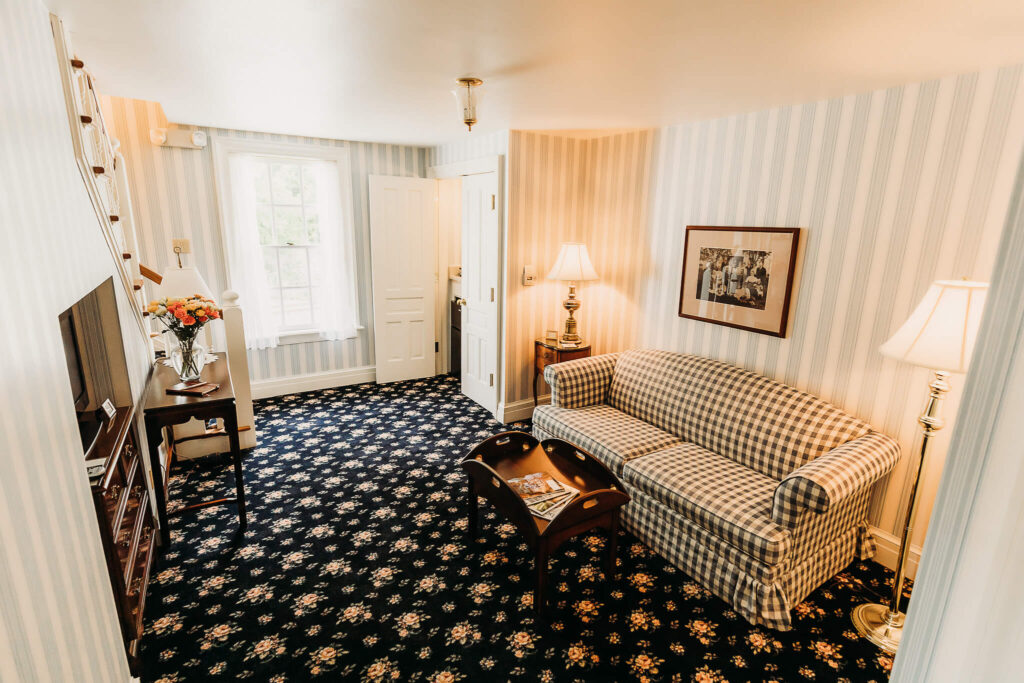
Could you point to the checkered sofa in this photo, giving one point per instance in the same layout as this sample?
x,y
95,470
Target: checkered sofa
x,y
757,490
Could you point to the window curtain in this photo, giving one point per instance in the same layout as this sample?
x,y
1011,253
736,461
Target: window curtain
x,y
335,302
245,256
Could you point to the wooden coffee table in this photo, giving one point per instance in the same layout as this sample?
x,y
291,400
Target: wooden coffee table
x,y
515,454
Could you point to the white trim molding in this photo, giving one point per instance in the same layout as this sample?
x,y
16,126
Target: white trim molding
x,y
471,167
313,381
888,548
519,410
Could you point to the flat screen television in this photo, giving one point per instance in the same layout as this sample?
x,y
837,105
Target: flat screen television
x,y
90,422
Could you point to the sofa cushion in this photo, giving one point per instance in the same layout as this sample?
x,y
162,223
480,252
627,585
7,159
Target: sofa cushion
x,y
751,419
729,500
612,436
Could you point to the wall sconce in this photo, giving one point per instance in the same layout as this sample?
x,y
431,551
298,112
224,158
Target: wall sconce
x,y
467,99
178,137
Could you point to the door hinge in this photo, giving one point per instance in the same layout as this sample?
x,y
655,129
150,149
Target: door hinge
x,y
437,346
492,379
492,295
492,202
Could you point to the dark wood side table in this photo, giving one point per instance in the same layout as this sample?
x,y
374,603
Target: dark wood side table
x,y
548,352
515,454
161,410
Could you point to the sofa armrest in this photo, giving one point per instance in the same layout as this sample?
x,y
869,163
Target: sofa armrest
x,y
581,382
833,477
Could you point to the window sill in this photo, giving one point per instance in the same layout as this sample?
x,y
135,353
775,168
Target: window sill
x,y
304,336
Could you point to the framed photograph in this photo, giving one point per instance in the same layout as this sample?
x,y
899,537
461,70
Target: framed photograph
x,y
739,277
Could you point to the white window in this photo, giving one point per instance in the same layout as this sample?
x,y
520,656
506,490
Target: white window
x,y
288,238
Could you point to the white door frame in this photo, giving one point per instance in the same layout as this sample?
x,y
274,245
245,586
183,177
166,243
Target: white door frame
x,y
489,164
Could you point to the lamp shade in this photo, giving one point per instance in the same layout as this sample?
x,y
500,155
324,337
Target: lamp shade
x,y
573,264
941,332
182,282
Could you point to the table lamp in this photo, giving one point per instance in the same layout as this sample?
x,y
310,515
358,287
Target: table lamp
x,y
940,336
573,265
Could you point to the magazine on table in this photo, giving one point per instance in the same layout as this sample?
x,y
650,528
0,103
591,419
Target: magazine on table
x,y
544,496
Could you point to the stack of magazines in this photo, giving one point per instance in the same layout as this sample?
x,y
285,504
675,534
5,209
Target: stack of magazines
x,y
543,495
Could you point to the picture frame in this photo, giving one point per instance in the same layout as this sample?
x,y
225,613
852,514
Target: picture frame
x,y
739,277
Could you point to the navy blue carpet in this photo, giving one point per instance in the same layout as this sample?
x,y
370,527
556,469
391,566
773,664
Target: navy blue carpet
x,y
356,567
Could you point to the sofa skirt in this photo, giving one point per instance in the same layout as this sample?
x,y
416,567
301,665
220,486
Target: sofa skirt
x,y
767,603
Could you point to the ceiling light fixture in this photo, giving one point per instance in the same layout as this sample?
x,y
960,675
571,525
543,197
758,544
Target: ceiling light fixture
x,y
467,99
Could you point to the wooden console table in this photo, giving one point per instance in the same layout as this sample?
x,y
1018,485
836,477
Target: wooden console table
x,y
165,410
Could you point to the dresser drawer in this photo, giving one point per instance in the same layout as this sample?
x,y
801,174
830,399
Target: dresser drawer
x,y
545,357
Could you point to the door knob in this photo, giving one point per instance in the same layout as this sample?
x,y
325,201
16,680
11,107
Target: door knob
x,y
460,302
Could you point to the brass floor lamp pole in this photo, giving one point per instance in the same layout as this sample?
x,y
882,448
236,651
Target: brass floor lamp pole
x,y
883,624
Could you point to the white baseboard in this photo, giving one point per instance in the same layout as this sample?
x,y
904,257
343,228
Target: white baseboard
x,y
520,410
313,381
889,549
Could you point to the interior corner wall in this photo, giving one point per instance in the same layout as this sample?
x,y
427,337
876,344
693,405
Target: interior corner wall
x,y
174,196
894,189
564,188
57,615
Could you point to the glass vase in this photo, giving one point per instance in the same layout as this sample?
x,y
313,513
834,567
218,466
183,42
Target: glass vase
x,y
188,359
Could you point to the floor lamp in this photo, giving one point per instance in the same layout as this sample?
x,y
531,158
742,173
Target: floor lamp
x,y
940,336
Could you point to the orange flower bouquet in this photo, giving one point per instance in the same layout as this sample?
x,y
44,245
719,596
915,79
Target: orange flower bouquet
x,y
184,318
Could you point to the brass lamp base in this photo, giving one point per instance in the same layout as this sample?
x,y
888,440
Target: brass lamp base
x,y
572,304
876,623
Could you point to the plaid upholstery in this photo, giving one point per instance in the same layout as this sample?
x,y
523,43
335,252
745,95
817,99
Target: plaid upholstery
x,y
756,421
755,489
765,600
835,476
610,435
582,382
731,501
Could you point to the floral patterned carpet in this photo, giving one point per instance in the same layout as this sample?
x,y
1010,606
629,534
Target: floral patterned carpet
x,y
356,566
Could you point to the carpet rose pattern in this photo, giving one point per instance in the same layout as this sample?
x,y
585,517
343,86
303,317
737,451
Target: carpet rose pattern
x,y
356,566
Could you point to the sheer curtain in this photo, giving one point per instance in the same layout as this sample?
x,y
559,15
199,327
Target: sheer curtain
x,y
336,309
246,274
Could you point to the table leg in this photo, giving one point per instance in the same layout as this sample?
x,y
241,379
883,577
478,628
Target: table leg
x,y
613,544
154,436
535,376
541,571
473,510
231,427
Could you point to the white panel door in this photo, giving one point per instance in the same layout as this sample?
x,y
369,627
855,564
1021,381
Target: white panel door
x,y
480,266
403,219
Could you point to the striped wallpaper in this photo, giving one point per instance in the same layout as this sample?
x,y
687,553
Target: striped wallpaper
x,y
564,189
57,617
895,188
174,196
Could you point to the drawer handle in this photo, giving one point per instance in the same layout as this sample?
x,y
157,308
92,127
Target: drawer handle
x,y
590,503
497,484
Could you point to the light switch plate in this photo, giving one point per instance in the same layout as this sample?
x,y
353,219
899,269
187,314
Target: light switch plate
x,y
529,276
181,246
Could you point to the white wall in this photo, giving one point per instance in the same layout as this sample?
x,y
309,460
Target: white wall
x,y
57,616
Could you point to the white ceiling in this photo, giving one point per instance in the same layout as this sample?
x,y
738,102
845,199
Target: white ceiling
x,y
382,70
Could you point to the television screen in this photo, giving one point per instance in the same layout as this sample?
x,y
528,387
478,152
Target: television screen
x,y
73,357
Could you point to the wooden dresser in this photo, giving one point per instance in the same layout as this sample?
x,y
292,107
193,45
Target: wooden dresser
x,y
125,518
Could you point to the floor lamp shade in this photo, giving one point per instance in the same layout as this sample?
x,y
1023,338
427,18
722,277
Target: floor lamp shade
x,y
941,332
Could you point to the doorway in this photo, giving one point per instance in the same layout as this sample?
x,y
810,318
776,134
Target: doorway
x,y
456,216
